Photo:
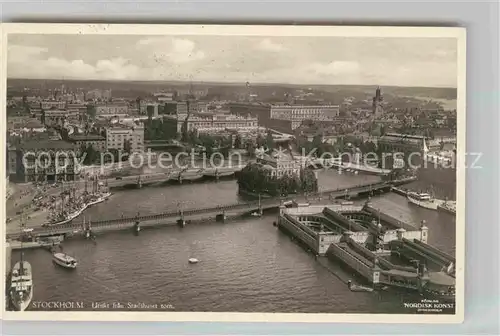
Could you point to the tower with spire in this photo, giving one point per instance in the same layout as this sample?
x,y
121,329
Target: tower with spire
x,y
377,103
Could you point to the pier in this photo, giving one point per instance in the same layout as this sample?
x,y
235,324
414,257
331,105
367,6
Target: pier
x,y
382,250
228,211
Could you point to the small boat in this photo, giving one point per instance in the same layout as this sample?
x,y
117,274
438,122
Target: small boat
x,y
21,285
64,260
358,288
193,260
256,214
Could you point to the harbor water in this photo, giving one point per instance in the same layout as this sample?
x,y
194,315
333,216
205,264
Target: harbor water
x,y
244,266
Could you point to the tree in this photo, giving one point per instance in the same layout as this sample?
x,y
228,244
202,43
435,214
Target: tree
x,y
127,146
269,140
91,111
238,142
42,117
382,130
260,141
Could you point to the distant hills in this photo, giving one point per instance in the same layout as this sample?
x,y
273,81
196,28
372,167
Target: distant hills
x,y
147,87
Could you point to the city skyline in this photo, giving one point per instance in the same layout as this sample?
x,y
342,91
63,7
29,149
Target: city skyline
x,y
419,62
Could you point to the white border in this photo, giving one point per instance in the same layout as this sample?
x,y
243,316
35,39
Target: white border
x,y
257,30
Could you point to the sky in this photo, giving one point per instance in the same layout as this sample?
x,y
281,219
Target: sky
x,y
427,62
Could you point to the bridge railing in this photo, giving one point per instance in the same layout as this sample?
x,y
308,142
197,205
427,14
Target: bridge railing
x,y
251,205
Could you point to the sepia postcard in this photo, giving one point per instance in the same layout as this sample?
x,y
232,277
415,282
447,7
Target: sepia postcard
x,y
233,173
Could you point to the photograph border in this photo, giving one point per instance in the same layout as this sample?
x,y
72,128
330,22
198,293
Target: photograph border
x,y
259,30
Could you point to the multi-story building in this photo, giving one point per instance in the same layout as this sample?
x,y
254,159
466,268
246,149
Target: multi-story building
x,y
280,164
59,116
260,111
57,104
98,142
79,107
117,137
213,123
98,95
409,146
182,108
110,109
296,114
197,93
152,110
47,160
164,96
303,112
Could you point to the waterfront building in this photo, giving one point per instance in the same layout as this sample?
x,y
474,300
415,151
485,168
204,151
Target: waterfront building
x,y
396,142
43,160
362,238
118,135
280,164
98,142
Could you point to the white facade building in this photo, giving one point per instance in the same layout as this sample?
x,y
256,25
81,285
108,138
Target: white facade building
x,y
116,138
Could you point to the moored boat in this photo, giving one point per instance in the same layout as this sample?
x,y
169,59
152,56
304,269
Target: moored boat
x,y
358,288
449,207
64,260
69,217
424,200
21,285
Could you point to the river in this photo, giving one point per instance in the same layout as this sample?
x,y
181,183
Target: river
x,y
245,265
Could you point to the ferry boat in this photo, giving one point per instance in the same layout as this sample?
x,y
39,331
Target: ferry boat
x,y
64,260
449,207
21,285
424,200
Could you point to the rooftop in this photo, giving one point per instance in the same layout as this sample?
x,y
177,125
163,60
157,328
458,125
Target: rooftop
x,y
48,144
87,137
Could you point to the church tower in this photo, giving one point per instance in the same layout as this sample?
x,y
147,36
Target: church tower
x,y
377,104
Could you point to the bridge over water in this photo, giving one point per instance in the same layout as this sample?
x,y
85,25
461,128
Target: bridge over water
x,y
178,174
241,208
